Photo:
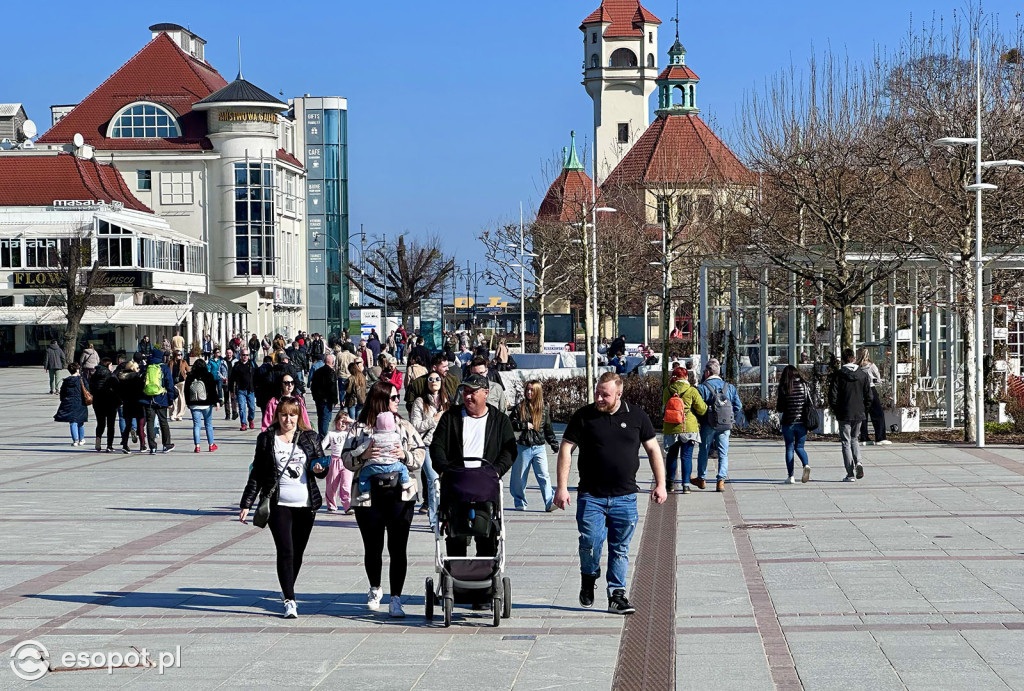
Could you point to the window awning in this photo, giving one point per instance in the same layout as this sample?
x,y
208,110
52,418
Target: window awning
x,y
141,315
201,302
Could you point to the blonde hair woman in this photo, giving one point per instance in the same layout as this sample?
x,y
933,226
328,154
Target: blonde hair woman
x,y
531,420
876,413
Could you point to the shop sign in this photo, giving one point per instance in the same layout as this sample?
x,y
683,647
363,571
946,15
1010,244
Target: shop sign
x,y
111,279
247,116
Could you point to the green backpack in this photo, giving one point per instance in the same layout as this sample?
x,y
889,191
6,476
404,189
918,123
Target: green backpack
x,y
154,385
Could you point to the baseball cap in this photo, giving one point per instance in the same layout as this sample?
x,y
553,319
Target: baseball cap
x,y
476,381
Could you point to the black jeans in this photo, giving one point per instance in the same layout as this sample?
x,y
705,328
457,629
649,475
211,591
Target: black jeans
x,y
152,413
387,512
106,418
290,526
877,416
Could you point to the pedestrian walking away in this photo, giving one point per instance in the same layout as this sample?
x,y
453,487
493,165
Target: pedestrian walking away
x,y
849,397
794,399
158,394
875,412
724,411
106,400
680,428
387,509
130,382
608,434
53,363
531,421
288,459
201,399
74,404
89,361
179,371
356,390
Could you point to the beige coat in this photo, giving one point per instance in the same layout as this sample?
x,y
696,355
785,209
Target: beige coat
x,y
412,443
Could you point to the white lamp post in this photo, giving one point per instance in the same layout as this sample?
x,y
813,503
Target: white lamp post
x,y
978,187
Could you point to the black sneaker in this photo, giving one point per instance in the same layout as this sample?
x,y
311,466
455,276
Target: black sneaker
x,y
152,452
618,604
860,472
168,448
587,587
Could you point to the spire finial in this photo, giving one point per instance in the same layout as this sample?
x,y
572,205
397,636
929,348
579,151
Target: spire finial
x,y
676,20
572,162
239,59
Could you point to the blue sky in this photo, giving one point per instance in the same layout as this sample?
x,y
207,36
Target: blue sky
x,y
456,107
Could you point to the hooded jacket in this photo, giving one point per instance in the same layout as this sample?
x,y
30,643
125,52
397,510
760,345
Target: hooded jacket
x,y
849,393
55,359
693,404
165,399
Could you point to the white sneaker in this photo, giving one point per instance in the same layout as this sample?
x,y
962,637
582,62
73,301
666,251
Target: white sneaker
x,y
807,474
884,442
290,610
790,480
373,598
395,608
849,478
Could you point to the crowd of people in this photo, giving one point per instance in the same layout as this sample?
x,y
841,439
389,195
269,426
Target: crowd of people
x,y
377,462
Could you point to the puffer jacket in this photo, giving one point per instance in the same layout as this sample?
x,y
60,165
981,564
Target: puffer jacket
x,y
104,389
263,475
693,405
533,437
791,404
72,408
90,359
129,386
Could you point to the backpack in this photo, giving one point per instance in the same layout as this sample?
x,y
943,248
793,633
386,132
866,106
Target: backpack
x,y
720,416
154,385
197,390
675,410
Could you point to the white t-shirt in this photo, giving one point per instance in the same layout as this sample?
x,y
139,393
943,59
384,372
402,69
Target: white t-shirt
x,y
293,489
473,431
334,443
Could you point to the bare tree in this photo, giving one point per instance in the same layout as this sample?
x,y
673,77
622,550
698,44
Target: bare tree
x,y
931,94
72,283
404,273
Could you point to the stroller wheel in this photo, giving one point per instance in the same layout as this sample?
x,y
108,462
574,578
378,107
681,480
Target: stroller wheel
x,y
448,611
506,598
496,609
428,601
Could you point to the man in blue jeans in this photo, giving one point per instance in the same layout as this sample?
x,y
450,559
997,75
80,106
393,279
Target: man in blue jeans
x,y
242,382
712,434
608,434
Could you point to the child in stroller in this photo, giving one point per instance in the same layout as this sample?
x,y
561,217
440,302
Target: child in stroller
x,y
385,435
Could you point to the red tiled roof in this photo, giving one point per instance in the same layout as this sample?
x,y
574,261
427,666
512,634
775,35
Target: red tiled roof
x,y
39,180
568,197
625,16
161,72
679,149
288,158
678,72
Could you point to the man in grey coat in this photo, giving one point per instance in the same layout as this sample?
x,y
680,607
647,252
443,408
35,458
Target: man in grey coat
x,y
55,361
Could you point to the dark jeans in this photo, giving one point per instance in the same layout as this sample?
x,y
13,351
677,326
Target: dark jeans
x,y
152,413
795,436
290,526
106,418
671,462
323,417
877,416
140,427
389,513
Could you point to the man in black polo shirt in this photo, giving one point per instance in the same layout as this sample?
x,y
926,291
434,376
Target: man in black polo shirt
x,y
608,433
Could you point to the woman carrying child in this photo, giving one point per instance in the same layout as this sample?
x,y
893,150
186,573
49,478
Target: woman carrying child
x,y
378,441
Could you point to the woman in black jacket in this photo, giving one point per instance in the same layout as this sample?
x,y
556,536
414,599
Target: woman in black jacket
x,y
201,399
73,409
105,402
129,384
531,420
288,459
792,400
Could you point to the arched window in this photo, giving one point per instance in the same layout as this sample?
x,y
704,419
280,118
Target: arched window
x,y
595,60
679,96
623,57
693,100
650,60
144,121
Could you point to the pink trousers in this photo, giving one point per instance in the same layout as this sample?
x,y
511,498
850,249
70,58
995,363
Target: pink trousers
x,y
339,485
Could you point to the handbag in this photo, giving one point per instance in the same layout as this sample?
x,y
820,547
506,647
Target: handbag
x,y
812,421
86,396
262,515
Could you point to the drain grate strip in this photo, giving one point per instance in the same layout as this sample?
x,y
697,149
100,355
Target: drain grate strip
x,y
647,651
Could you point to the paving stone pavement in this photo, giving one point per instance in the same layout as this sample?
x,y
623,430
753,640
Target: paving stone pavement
x,y
910,579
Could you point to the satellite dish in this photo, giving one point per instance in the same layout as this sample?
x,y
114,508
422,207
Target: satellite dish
x,y
28,129
78,139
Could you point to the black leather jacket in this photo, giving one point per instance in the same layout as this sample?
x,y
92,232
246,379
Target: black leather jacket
x,y
534,437
263,475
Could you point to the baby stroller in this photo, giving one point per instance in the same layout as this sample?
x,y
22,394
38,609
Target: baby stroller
x,y
470,507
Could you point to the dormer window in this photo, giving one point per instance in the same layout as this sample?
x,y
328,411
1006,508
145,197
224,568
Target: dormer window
x,y
144,121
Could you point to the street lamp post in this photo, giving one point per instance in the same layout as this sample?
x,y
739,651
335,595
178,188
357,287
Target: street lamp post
x,y
979,265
